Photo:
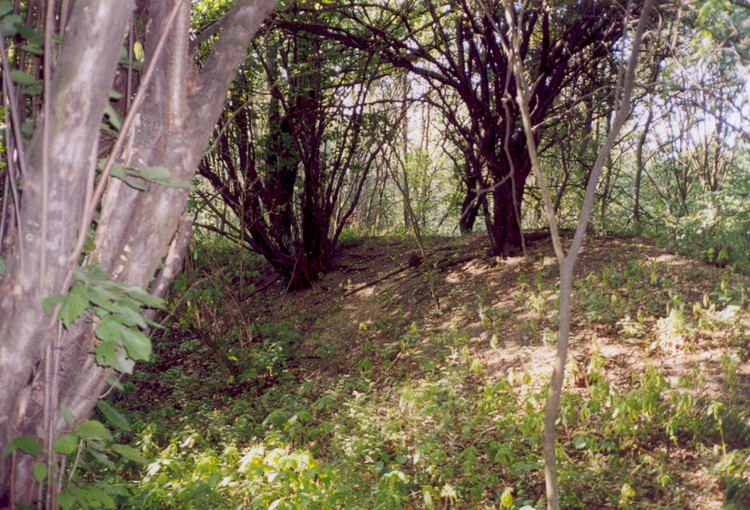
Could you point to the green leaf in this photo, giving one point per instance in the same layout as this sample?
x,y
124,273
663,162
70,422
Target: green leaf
x,y
101,457
106,353
66,500
98,497
93,429
175,183
579,442
113,415
153,173
129,453
109,330
33,49
101,298
50,302
145,298
66,444
123,363
160,175
22,77
132,318
136,343
26,444
31,35
5,7
3,267
9,25
32,90
67,414
113,117
103,292
40,471
124,174
75,304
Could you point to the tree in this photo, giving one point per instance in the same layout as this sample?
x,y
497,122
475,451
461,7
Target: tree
x,y
454,47
44,365
292,161
566,261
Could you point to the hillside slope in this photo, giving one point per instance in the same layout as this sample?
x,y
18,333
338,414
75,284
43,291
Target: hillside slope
x,y
402,405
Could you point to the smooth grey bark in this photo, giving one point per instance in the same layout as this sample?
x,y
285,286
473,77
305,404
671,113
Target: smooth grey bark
x,y
135,227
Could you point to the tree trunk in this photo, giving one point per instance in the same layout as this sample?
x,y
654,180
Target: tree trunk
x,y
640,165
507,197
135,227
92,42
470,205
506,222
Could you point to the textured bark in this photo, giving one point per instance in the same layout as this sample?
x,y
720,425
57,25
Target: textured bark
x,y
135,227
80,90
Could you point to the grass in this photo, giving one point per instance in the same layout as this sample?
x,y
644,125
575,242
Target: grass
x,y
421,417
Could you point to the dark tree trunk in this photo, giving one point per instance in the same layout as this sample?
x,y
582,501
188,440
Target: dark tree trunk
x,y
506,220
471,203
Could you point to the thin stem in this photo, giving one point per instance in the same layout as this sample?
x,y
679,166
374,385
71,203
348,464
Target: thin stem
x,y
15,124
49,26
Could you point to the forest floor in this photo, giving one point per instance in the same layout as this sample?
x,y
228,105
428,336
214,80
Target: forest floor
x,y
396,399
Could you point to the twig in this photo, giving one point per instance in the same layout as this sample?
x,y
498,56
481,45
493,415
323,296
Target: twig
x,y
375,282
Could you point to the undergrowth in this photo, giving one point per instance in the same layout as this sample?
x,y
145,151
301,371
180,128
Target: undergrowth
x,y
419,422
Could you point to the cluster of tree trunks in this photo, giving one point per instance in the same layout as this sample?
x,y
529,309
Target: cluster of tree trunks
x,y
42,365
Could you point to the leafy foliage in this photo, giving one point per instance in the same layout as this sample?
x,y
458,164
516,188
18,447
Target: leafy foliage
x,y
419,421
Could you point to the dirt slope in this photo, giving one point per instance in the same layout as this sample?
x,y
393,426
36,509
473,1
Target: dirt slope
x,y
507,307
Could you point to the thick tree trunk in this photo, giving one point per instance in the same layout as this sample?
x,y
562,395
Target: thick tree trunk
x,y
80,90
507,198
135,227
506,222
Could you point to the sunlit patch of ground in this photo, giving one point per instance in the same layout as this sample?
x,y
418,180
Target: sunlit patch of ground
x,y
645,323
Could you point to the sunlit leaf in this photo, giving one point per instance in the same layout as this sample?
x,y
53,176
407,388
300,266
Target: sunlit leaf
x,y
93,429
40,472
75,304
136,343
66,444
138,52
109,330
106,353
123,363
